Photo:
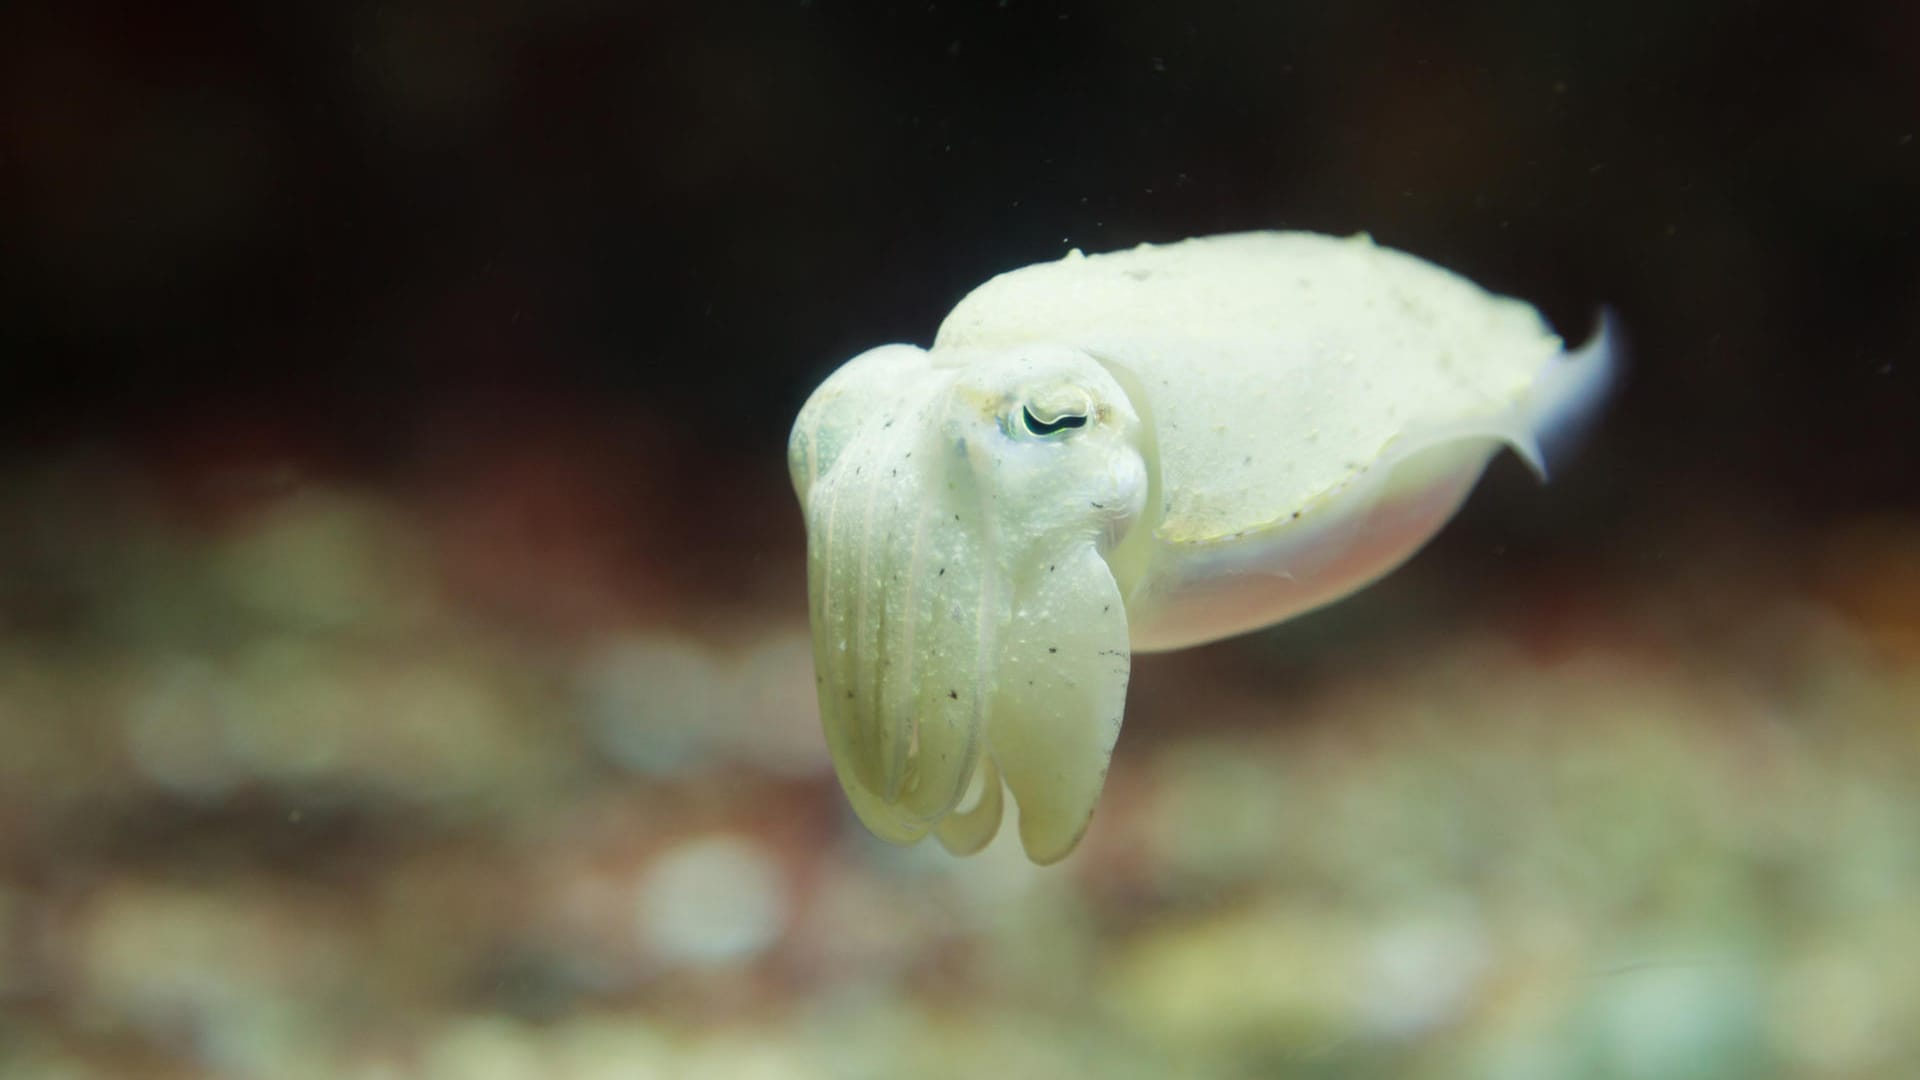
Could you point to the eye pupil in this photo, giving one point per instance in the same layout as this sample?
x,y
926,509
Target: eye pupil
x,y
1046,427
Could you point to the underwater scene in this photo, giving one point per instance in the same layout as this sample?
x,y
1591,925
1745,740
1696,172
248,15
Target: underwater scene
x,y
459,618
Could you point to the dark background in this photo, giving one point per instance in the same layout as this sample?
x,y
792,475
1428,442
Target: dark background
x,y
306,234
404,661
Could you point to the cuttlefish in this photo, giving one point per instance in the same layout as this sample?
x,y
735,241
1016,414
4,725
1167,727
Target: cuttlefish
x,y
1127,452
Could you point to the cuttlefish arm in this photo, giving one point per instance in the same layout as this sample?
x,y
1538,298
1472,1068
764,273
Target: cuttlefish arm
x,y
897,593
1060,693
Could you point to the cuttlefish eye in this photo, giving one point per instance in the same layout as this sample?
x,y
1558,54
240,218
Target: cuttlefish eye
x,y
1052,411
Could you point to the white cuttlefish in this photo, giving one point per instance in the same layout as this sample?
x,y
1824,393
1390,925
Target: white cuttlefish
x,y
1141,450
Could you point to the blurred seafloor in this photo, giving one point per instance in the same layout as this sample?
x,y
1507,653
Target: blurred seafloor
x,y
509,769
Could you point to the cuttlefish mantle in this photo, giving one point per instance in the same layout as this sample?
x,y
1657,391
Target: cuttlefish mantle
x,y
1141,450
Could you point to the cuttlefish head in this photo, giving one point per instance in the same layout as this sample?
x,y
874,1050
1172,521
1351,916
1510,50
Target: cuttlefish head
x,y
967,630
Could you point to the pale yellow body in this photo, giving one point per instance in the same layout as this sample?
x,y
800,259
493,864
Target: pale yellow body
x,y
1141,450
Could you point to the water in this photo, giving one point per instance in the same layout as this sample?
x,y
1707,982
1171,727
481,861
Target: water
x,y
404,667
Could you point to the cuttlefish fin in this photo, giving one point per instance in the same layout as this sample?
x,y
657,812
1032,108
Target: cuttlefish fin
x,y
1059,695
1544,425
1568,392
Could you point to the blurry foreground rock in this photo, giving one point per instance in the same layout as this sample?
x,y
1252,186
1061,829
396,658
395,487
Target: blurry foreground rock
x,y
286,791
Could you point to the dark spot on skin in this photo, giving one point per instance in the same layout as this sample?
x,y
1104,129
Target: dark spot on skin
x,y
956,517
1049,569
1104,608
942,573
954,694
1050,649
849,695
1248,461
